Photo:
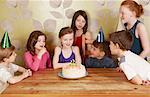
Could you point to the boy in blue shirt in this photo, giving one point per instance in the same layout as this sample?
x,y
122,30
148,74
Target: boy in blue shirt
x,y
100,56
100,53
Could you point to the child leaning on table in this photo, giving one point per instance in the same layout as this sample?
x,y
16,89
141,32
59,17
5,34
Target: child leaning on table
x,y
65,53
100,54
100,57
136,69
7,68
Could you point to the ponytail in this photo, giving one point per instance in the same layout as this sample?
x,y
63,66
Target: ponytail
x,y
140,11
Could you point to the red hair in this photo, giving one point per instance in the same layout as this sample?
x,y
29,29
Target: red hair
x,y
133,6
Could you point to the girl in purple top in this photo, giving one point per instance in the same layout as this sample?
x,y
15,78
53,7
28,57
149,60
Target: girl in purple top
x,y
65,53
62,59
37,57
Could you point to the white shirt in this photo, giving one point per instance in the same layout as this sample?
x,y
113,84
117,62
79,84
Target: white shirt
x,y
135,65
7,72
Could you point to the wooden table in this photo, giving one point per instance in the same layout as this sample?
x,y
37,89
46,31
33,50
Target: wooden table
x,y
99,82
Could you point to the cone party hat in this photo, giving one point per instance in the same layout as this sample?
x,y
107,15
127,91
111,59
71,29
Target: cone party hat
x,y
100,36
5,43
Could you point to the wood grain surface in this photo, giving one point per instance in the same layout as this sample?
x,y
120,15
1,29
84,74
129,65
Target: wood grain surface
x,y
99,82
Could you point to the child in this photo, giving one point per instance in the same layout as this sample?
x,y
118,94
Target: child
x,y
37,57
100,54
83,38
7,68
65,53
130,11
136,69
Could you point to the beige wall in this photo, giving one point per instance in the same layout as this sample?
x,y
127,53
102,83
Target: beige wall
x,y
20,17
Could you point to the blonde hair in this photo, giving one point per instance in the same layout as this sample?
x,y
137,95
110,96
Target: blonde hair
x,y
6,52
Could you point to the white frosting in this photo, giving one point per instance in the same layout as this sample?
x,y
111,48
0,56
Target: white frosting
x,y
74,71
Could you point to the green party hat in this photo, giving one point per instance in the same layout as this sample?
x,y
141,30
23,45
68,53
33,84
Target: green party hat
x,y
5,43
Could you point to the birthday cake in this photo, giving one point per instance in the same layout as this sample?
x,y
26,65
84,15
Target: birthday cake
x,y
74,70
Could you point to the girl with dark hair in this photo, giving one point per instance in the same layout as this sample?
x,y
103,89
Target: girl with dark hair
x,y
37,57
82,36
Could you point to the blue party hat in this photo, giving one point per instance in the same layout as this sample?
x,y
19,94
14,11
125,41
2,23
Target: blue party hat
x,y
100,36
5,43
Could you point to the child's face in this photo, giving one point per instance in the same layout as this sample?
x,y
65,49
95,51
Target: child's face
x,y
125,14
40,42
67,40
95,52
12,57
80,22
113,48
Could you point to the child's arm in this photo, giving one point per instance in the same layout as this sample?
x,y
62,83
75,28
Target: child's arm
x,y
49,60
118,69
32,62
77,55
136,80
89,62
57,65
21,69
130,73
16,79
41,52
83,44
88,40
143,35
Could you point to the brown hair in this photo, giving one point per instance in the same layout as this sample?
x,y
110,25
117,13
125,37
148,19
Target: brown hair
x,y
6,52
32,40
64,31
103,46
75,16
133,6
123,38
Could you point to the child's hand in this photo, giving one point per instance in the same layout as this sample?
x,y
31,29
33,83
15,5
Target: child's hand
x,y
29,72
118,69
25,74
42,51
147,82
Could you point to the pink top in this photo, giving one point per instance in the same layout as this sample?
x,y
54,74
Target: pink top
x,y
34,63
